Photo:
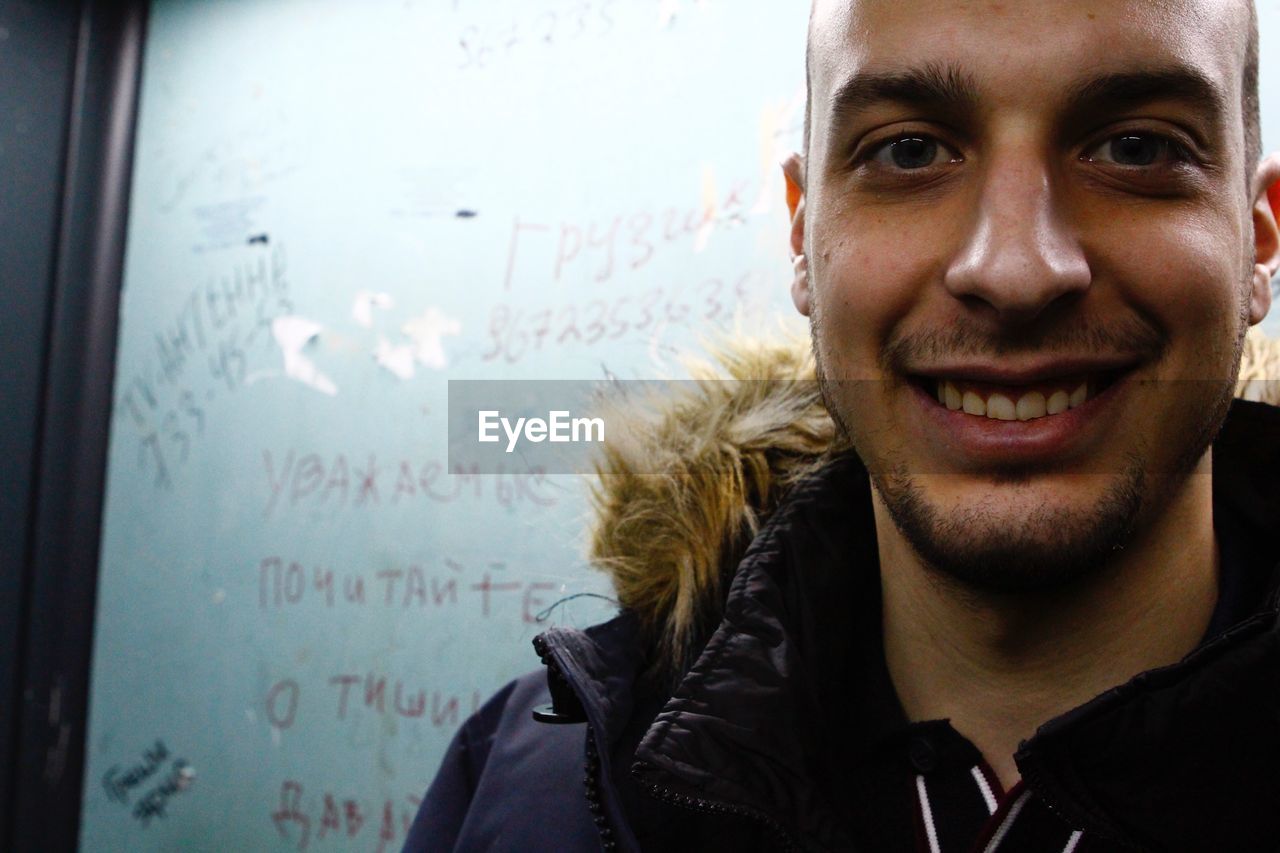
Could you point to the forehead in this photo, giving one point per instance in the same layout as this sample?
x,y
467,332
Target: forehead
x,y
1027,48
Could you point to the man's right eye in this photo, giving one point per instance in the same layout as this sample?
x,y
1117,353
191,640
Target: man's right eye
x,y
912,152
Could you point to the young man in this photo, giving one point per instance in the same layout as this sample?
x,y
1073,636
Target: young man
x,y
1008,596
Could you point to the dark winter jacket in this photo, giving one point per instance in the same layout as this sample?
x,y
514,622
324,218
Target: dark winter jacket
x,y
738,728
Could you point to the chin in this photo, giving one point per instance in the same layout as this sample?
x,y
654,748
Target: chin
x,y
1017,543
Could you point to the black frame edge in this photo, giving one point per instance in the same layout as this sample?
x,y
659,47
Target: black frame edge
x,y
76,412
38,54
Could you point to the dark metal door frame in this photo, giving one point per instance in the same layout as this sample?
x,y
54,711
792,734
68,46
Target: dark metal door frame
x,y
63,273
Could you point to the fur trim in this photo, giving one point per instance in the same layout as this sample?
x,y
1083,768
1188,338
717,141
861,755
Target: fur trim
x,y
688,480
1259,369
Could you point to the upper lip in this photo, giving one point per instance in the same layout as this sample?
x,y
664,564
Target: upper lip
x,y
1025,372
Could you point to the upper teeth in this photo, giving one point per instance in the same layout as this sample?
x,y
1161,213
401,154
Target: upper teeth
x,y
1032,404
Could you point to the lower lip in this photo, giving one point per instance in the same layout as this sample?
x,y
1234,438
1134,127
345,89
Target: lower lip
x,y
989,442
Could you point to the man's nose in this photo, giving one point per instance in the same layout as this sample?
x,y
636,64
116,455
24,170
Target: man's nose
x,y
1019,256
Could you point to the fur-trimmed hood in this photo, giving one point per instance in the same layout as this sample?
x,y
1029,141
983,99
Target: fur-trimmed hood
x,y
687,482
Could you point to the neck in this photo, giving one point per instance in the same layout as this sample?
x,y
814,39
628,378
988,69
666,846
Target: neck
x,y
1000,665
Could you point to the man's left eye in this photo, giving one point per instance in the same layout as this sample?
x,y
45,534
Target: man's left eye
x,y
1135,150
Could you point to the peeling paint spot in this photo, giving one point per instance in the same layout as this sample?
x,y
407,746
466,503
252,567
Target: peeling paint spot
x,y
397,359
427,333
292,334
364,303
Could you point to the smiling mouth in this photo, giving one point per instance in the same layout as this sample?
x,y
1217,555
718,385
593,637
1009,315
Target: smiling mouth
x,y
1031,401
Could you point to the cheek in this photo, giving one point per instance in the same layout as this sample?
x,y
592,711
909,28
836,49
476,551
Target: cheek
x,y
868,277
1188,276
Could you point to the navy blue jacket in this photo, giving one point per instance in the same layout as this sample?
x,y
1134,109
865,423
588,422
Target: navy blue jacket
x,y
749,751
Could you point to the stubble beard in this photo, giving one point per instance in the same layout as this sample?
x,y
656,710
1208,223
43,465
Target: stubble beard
x,y
1046,548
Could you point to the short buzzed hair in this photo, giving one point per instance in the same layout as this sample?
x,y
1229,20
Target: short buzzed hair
x,y
1249,104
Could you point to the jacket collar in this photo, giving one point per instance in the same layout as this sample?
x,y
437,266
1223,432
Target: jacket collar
x,y
751,722
1185,757
762,721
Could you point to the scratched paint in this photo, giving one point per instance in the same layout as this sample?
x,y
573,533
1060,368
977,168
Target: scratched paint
x,y
427,332
292,334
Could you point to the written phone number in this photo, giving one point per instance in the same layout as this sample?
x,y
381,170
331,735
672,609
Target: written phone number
x,y
514,333
480,47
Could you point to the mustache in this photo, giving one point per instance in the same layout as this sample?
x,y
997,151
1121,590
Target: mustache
x,y
1131,336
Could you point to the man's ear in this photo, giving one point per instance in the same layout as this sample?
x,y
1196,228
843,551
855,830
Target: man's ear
x,y
793,171
1266,236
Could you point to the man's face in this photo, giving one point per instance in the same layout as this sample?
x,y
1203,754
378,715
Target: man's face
x,y
1028,224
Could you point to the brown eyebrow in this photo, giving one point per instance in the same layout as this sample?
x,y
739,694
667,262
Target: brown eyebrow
x,y
948,90
932,86
1128,89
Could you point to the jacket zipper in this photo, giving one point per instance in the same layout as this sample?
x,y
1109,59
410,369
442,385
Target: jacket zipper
x,y
591,777
591,782
591,767
1043,787
697,804
1035,782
